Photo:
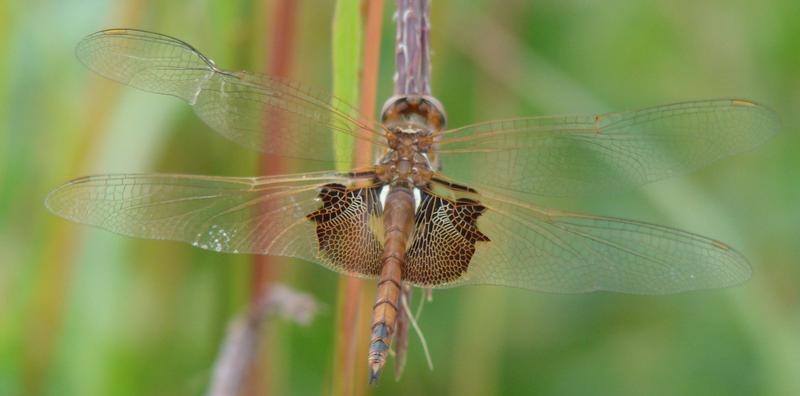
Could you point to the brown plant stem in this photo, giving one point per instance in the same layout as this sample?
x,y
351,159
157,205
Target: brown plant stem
x,y
279,64
243,338
265,269
412,51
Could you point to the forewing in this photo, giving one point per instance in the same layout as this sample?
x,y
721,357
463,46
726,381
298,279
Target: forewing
x,y
267,215
572,155
269,114
565,252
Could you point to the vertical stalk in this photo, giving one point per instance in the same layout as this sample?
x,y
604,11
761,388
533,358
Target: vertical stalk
x,y
346,48
363,157
280,57
265,269
412,51
348,65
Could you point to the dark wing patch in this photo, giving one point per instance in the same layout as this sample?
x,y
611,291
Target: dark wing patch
x,y
343,228
445,234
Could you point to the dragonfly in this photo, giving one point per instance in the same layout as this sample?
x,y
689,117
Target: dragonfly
x,y
438,207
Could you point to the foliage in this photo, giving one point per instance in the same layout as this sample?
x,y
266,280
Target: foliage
x,y
86,312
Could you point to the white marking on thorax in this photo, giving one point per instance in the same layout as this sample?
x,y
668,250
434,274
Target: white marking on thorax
x,y
385,192
427,160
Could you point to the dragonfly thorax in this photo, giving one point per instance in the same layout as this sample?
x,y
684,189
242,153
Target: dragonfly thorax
x,y
406,164
410,122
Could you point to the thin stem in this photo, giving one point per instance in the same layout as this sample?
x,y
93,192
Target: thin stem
x,y
351,316
369,77
280,52
414,324
265,269
245,333
401,342
412,51
422,301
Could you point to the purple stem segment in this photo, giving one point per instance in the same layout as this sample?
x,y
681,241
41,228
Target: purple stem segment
x,y
412,52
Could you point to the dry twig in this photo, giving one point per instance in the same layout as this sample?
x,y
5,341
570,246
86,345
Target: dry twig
x,y
242,341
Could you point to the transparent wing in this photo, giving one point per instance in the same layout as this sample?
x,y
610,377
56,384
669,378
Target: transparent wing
x,y
266,215
260,112
570,155
565,252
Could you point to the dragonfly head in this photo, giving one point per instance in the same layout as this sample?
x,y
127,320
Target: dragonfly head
x,y
413,114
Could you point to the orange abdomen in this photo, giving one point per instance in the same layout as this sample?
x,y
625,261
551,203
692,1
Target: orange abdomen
x,y
398,222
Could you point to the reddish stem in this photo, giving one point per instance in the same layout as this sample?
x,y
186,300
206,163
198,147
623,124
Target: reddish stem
x,y
280,57
264,270
353,317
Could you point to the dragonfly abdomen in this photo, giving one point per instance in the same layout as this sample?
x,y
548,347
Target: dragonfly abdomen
x,y
398,221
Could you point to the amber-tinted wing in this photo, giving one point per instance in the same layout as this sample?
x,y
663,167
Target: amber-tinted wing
x,y
443,241
260,112
555,251
265,215
346,225
569,155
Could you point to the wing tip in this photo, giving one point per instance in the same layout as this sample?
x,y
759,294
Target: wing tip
x,y
51,203
48,201
84,51
771,114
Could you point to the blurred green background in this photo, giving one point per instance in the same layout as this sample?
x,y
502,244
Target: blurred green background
x,y
87,312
